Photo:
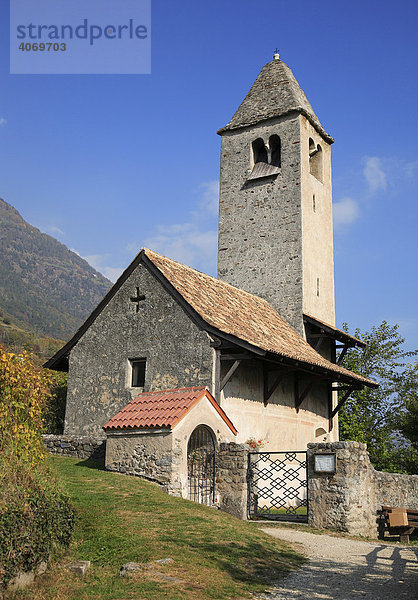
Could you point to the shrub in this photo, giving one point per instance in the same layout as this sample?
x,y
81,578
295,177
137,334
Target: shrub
x,y
24,390
36,517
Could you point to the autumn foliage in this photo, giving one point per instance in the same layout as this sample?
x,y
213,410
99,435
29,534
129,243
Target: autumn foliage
x,y
24,392
36,517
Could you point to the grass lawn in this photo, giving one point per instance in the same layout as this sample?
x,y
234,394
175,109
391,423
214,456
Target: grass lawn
x,y
125,519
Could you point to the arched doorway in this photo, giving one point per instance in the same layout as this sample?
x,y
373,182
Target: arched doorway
x,y
201,465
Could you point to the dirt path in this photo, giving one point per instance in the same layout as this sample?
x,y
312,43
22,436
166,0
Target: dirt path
x,y
344,569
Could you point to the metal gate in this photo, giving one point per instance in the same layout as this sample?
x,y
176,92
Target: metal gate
x,y
201,465
278,485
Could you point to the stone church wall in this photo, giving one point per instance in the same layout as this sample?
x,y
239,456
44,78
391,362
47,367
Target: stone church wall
x,y
178,354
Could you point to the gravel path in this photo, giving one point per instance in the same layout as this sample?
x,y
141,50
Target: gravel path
x,y
344,569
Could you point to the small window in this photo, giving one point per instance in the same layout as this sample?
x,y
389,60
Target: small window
x,y
313,203
138,372
259,151
317,286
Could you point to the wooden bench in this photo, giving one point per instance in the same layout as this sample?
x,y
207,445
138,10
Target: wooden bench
x,y
400,521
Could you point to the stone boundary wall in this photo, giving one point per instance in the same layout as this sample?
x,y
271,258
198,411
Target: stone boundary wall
x,y
396,489
144,454
350,499
78,447
231,478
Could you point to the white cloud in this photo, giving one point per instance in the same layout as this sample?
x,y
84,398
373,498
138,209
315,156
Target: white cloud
x,y
374,174
96,261
54,229
193,242
411,168
112,273
187,244
345,212
209,204
3,121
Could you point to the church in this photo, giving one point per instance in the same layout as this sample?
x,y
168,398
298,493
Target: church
x,y
173,360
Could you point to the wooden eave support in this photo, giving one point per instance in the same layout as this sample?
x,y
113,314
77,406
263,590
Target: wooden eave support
x,y
343,400
268,391
229,374
345,347
299,398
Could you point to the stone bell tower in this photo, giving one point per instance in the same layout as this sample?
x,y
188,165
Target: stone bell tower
x,y
275,211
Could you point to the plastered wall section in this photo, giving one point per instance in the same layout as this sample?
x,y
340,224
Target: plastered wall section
x,y
260,225
317,230
278,423
202,413
177,354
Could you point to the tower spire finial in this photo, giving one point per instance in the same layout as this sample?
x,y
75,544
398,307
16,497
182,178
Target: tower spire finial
x,y
276,55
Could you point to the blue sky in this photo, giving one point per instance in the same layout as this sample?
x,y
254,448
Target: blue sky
x,y
110,163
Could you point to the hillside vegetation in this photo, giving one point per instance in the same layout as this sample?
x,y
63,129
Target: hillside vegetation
x,y
45,288
122,519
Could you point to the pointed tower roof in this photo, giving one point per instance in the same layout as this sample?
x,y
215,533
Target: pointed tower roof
x,y
274,93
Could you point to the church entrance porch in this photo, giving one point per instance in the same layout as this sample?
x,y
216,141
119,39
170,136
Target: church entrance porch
x,y
277,485
201,453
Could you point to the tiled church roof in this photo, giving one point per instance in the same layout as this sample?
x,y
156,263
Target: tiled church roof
x,y
274,93
162,409
224,308
241,314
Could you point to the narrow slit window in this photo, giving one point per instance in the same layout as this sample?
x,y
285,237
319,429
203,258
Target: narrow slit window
x,y
138,372
313,203
275,151
315,160
317,286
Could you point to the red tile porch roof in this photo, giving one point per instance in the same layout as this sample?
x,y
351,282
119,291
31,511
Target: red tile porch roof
x,y
162,409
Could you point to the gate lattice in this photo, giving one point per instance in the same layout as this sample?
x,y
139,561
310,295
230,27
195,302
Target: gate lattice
x,y
201,466
278,485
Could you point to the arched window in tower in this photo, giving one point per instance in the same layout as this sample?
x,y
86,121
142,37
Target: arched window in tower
x,y
259,151
275,151
315,159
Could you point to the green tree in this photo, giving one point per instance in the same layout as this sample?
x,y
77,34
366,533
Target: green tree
x,y
383,417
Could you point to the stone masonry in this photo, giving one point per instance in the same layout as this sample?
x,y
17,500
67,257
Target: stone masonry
x,y
275,232
77,447
350,499
177,354
231,478
149,455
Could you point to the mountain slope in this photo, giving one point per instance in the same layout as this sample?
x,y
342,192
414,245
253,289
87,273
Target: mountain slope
x,y
44,286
